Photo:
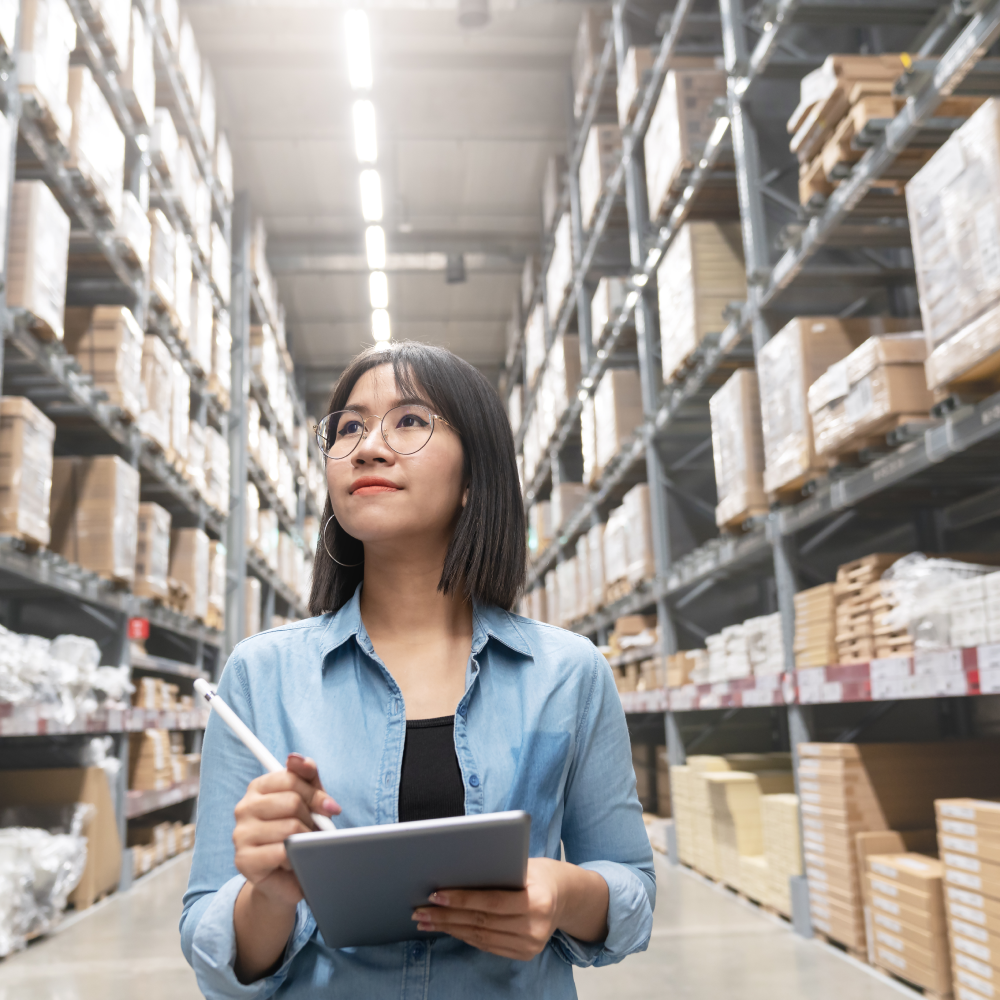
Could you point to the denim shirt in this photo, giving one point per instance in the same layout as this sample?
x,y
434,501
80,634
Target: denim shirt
x,y
540,728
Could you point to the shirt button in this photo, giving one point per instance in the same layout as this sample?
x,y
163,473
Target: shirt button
x,y
462,709
418,950
474,780
388,779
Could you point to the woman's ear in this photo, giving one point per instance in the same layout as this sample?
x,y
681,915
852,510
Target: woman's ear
x,y
465,497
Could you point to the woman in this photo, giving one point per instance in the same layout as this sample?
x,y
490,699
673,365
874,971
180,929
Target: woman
x,y
418,694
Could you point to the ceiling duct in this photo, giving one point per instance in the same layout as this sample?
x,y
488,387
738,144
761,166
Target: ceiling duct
x,y
473,13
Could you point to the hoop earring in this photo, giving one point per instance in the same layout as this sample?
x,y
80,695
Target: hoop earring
x,y
333,517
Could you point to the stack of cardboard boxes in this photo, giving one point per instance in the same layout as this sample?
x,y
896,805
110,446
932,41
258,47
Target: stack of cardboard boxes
x,y
152,845
815,626
26,437
857,592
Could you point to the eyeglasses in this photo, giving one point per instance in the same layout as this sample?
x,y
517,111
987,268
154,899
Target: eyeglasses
x,y
405,429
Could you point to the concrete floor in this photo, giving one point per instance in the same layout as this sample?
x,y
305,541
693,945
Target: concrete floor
x,y
705,944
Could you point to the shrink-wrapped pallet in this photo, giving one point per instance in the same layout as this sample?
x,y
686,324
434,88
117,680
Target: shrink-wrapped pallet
x,y
47,37
590,40
202,217
26,438
534,344
185,179
220,381
206,109
614,544
738,450
163,259
180,413
641,564
138,81
107,343
37,259
267,542
96,143
157,382
635,74
168,16
164,145
954,210
222,163
565,502
617,414
8,23
552,192
595,566
134,231
875,388
558,384
221,264
216,470
252,598
514,406
679,128
601,154
779,813
559,276
252,517
787,365
5,169
189,549
182,286
588,441
113,20
201,331
701,273
189,61
607,304
94,515
152,552
194,467
567,584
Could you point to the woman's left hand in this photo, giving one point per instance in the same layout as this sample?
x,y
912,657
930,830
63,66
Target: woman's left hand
x,y
513,924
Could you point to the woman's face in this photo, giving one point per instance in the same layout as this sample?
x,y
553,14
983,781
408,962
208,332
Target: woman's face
x,y
379,496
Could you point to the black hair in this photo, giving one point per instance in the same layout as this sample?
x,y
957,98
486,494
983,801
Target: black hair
x,y
488,551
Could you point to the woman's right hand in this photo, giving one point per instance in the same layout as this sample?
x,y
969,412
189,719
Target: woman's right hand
x,y
274,807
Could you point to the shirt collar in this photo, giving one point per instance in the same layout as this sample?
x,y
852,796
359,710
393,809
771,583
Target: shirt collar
x,y
488,622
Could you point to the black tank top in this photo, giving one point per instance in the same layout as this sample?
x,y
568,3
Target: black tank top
x,y
430,786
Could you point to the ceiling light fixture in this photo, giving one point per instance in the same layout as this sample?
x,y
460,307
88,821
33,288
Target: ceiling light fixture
x,y
378,289
380,326
365,144
371,196
375,248
359,53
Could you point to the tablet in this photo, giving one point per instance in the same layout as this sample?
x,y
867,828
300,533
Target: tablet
x,y
363,884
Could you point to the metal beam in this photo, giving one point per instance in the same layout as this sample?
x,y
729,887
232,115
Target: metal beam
x,y
396,263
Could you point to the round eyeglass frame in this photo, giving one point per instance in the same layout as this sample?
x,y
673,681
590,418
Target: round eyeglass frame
x,y
434,418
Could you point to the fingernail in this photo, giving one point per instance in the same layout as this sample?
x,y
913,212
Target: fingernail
x,y
329,805
425,926
440,898
297,756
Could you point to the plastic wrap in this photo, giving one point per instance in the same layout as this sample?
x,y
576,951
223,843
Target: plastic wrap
x,y
139,79
162,258
617,413
954,208
601,154
152,552
164,144
540,526
588,441
8,23
134,229
252,598
96,144
567,583
221,264
206,110
189,61
594,25
180,413
765,645
47,37
203,217
534,344
615,545
107,342
558,384
267,539
194,465
26,439
559,276
566,500
595,567
169,16
679,128
217,579
189,565
157,382
634,75
252,517
701,273
738,450
970,355
38,868
217,470
186,178
220,381
37,258
223,164
182,286
514,407
641,564
5,169
583,592
202,326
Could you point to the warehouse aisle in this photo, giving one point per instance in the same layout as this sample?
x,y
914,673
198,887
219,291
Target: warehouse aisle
x,y
704,945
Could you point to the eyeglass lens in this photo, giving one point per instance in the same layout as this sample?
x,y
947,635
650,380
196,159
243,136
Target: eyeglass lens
x,y
406,429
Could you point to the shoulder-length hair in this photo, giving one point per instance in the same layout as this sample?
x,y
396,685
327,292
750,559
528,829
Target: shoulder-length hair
x,y
488,551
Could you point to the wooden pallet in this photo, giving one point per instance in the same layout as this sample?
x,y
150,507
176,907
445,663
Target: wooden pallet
x,y
616,591
859,953
214,619
928,993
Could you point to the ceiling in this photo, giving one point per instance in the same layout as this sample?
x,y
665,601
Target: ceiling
x,y
466,122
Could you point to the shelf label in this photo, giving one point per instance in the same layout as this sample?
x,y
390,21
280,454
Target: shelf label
x,y
889,668
938,661
138,628
989,656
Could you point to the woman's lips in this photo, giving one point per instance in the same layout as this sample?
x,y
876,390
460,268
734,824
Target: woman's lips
x,y
364,491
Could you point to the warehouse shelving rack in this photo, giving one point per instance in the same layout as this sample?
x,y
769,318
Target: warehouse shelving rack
x,y
39,590
937,489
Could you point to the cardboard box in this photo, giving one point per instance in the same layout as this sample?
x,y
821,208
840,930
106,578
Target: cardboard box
x,y
108,342
162,257
156,421
701,273
47,37
94,515
559,276
37,255
60,786
152,553
252,598
149,766
787,366
189,563
26,438
969,357
641,565
738,450
617,410
634,75
601,154
590,40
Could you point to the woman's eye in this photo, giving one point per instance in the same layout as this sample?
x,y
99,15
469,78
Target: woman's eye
x,y
351,427
411,420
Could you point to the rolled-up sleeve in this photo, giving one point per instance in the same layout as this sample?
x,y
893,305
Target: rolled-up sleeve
x,y
603,829
208,937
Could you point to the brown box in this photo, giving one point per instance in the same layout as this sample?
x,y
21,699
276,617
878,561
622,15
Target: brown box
x,y
59,786
189,563
94,516
601,154
149,767
916,966
152,552
738,449
635,73
157,382
26,437
617,414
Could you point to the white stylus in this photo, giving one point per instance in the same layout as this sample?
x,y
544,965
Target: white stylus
x,y
247,738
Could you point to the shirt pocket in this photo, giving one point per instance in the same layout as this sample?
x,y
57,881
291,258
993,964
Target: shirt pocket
x,y
539,779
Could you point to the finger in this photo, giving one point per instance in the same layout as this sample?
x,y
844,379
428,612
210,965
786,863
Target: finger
x,y
260,833
304,767
485,900
286,781
323,804
256,863
278,805
505,945
445,919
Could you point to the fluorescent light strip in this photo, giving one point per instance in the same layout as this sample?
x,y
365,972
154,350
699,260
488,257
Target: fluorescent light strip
x,y
371,196
378,290
359,52
365,143
375,247
380,326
